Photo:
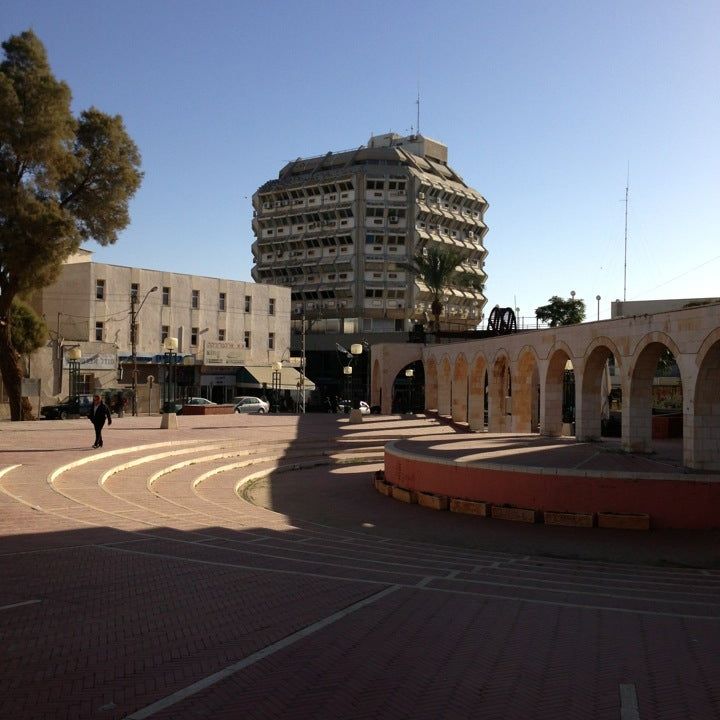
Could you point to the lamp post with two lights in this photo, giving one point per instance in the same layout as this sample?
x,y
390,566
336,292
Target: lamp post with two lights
x,y
133,340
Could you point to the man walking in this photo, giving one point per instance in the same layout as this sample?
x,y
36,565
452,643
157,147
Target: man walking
x,y
99,412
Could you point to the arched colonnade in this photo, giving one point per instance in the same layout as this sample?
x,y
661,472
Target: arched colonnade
x,y
519,378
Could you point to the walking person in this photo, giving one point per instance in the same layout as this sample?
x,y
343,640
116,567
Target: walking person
x,y
99,412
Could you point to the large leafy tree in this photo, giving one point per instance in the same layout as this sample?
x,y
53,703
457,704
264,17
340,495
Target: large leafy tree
x,y
437,267
29,331
559,311
63,180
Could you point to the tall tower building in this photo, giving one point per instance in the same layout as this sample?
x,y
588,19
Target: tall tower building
x,y
340,228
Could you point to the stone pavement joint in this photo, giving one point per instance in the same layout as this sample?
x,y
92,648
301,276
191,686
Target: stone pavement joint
x,y
255,657
258,574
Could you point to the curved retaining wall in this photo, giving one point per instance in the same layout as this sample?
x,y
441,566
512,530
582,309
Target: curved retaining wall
x,y
671,500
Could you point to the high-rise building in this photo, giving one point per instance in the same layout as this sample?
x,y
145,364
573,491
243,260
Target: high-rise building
x,y
340,229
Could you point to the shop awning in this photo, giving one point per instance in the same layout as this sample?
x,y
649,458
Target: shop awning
x,y
259,374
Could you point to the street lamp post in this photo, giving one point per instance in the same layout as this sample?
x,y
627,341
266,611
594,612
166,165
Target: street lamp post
x,y
348,372
277,383
597,297
409,374
358,349
133,341
170,346
74,355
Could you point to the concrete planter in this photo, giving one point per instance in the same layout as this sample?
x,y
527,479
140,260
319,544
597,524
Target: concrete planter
x,y
469,507
569,519
525,515
624,521
403,495
436,502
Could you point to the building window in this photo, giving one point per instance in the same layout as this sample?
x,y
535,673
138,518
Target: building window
x,y
271,306
134,291
99,289
99,327
221,301
271,341
166,296
248,303
195,299
246,340
164,332
221,334
193,336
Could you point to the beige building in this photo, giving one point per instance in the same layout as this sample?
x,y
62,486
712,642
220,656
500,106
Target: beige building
x,y
339,228
229,332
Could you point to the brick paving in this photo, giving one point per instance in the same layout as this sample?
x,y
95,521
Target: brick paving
x,y
146,580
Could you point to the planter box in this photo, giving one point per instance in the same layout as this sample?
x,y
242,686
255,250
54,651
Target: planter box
x,y
381,486
624,521
436,502
403,495
469,507
515,514
208,409
567,518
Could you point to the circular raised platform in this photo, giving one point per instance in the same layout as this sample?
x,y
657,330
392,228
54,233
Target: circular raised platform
x,y
597,482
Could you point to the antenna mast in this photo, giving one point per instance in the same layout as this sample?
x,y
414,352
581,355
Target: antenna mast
x,y
627,192
417,102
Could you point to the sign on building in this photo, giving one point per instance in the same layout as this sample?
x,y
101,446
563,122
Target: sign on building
x,y
224,352
96,361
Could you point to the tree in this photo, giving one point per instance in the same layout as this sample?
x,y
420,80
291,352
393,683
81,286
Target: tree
x,y
63,180
559,311
436,267
29,331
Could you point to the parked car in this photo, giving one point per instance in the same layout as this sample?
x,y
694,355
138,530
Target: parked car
x,y
251,405
344,406
69,407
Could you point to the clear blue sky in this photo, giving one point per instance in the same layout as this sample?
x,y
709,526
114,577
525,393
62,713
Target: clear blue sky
x,y
543,105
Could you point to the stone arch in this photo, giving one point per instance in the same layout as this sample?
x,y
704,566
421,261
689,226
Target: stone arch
x,y
588,392
525,388
460,389
637,420
499,387
431,384
444,387
476,395
552,395
703,429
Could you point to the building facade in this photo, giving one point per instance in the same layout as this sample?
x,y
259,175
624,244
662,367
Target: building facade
x,y
339,230
229,332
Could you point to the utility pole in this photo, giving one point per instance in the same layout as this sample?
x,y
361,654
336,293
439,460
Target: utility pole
x,y
133,340
302,366
133,346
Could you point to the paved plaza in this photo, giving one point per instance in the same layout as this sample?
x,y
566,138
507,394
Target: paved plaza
x,y
245,567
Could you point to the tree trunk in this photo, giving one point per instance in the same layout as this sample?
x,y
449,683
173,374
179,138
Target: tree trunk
x,y
436,308
10,371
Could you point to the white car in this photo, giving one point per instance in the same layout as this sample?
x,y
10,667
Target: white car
x,y
252,405
198,401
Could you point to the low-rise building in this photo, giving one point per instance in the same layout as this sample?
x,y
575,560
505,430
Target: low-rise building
x,y
229,332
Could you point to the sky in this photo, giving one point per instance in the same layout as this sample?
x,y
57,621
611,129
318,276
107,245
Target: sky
x,y
546,108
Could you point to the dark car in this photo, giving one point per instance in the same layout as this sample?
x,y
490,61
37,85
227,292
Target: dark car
x,y
69,407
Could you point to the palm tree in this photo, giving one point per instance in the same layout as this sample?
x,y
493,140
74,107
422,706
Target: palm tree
x,y
436,267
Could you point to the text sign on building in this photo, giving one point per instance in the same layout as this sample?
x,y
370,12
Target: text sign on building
x,y
96,361
224,352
